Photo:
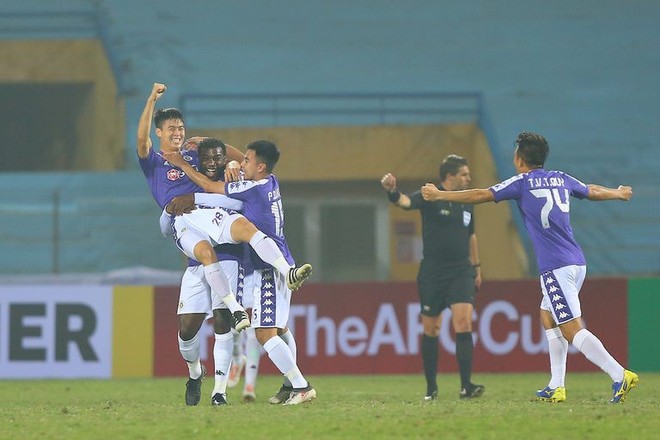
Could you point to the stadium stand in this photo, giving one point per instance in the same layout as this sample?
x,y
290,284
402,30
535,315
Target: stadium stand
x,y
583,74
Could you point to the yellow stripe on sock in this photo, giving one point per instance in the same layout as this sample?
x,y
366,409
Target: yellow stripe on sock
x,y
133,331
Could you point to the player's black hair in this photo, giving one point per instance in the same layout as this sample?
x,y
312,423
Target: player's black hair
x,y
532,148
165,114
267,152
451,164
209,143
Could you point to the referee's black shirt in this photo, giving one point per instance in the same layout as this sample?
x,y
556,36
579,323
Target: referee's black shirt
x,y
446,231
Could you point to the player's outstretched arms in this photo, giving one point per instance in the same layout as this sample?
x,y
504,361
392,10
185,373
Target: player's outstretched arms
x,y
600,193
175,158
431,193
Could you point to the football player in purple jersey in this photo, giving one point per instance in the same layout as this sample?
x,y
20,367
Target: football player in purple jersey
x,y
543,198
166,182
197,232
262,205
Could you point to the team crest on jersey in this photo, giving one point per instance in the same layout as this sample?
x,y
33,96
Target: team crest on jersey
x,y
173,174
467,216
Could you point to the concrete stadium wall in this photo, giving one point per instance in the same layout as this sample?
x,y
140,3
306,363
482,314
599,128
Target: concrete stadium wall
x,y
99,127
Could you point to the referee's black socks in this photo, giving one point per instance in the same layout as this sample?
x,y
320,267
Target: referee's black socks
x,y
430,360
464,348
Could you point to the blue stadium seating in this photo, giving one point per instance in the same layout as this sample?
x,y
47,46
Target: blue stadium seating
x,y
584,74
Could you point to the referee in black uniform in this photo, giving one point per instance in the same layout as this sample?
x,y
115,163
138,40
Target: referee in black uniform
x,y
450,272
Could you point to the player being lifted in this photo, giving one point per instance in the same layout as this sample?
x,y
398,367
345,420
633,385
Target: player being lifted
x,y
197,232
543,198
197,302
262,204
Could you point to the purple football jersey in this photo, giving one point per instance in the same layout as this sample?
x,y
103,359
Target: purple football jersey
x,y
543,198
262,205
166,181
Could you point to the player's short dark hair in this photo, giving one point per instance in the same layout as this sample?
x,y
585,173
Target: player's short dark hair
x,y
532,148
451,164
210,143
165,114
266,151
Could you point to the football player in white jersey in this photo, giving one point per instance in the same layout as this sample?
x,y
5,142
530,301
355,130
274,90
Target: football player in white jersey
x,y
196,299
196,233
262,205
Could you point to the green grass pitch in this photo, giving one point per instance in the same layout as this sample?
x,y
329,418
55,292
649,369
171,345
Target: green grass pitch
x,y
366,407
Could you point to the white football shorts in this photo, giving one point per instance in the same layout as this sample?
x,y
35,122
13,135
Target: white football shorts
x,y
213,225
272,299
248,291
195,295
561,292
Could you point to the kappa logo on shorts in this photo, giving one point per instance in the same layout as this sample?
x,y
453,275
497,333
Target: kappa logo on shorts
x,y
557,297
181,305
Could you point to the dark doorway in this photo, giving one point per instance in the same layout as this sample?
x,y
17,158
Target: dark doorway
x,y
40,123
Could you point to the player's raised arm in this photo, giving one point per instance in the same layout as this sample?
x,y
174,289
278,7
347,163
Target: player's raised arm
x,y
431,193
200,179
601,193
144,125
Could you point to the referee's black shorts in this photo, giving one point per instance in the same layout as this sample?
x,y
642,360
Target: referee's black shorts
x,y
440,287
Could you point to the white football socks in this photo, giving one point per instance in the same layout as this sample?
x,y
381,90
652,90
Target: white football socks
x,y
557,350
237,351
190,353
253,354
219,282
222,353
268,251
291,343
280,354
590,346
